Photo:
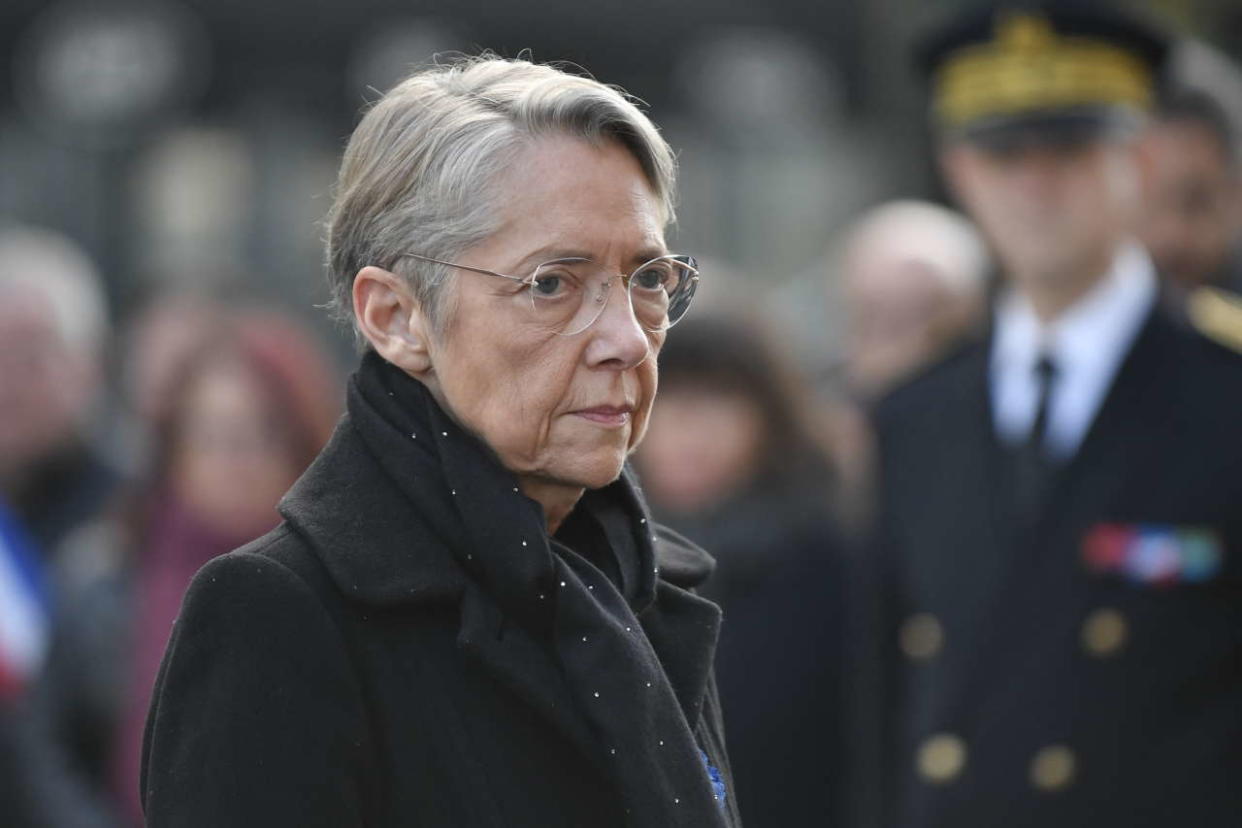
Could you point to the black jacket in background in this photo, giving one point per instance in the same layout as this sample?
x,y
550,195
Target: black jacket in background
x,y
1081,697
361,665
780,581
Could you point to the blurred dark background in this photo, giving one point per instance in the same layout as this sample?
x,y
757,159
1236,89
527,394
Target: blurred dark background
x,y
189,149
194,143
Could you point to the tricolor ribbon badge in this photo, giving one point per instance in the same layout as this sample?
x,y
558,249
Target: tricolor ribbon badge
x,y
1154,554
25,610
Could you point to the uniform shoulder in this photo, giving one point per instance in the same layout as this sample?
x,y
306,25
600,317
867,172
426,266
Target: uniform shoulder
x,y
1217,315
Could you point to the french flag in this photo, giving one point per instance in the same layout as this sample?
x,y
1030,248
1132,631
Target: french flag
x,y
24,609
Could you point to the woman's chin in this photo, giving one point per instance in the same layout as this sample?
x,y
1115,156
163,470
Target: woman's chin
x,y
595,472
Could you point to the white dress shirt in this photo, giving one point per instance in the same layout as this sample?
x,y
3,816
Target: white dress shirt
x,y
1087,343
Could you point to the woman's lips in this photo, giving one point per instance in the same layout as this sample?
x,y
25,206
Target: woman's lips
x,y
608,415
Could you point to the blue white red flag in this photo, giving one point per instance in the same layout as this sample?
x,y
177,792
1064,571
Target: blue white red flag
x,y
24,608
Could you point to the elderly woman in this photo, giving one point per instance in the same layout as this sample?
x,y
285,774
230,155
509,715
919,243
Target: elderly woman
x,y
467,617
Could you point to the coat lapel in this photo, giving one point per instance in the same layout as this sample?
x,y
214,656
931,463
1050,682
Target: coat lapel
x,y
987,554
1104,471
964,516
683,629
1098,470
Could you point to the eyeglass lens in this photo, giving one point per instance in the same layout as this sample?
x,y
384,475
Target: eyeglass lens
x,y
571,294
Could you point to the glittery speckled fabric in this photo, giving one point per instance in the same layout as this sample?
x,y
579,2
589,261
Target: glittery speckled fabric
x,y
643,730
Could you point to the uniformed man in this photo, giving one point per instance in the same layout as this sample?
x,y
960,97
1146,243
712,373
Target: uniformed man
x,y
1061,530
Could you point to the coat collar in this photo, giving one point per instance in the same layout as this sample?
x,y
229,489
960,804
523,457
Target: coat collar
x,y
404,508
381,551
377,548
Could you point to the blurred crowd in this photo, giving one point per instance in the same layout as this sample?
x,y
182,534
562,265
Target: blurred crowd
x,y
134,448
120,479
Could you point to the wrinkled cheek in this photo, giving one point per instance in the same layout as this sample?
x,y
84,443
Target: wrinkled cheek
x,y
481,413
503,438
638,428
515,436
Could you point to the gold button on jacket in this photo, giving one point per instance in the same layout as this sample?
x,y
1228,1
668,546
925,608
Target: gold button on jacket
x,y
1104,632
941,758
1053,768
922,636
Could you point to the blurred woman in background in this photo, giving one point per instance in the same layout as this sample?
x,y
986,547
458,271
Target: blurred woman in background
x,y
246,408
733,459
252,409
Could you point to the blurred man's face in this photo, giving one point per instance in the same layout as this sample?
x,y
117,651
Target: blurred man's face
x,y
1054,213
44,384
1194,209
902,314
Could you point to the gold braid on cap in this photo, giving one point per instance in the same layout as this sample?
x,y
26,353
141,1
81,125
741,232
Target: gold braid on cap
x,y
1028,67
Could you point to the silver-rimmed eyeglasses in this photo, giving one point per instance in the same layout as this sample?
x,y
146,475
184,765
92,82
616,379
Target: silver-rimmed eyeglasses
x,y
570,294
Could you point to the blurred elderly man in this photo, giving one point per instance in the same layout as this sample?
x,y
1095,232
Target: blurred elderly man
x,y
914,283
53,326
1061,533
1193,225
52,329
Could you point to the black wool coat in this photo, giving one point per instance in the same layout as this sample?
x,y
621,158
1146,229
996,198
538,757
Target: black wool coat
x,y
351,669
1083,670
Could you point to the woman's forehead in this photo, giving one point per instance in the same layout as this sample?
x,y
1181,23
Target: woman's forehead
x,y
549,253
575,174
591,227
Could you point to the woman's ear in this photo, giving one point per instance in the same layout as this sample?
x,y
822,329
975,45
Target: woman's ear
x,y
390,318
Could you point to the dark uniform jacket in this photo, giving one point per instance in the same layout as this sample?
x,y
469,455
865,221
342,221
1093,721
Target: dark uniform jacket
x,y
1084,667
780,582
371,663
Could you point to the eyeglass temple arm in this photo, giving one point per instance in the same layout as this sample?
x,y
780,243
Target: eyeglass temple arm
x,y
518,279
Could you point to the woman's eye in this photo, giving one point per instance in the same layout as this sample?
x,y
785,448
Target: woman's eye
x,y
652,278
546,285
552,285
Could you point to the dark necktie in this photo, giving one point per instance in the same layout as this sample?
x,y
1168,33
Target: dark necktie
x,y
1034,467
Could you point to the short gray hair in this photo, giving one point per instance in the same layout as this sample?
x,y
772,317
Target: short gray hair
x,y
419,172
40,261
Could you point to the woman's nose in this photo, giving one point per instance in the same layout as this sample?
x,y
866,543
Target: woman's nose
x,y
617,337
